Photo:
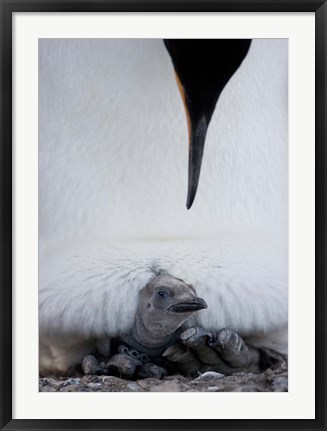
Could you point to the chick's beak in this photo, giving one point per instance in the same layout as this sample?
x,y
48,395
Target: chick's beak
x,y
191,305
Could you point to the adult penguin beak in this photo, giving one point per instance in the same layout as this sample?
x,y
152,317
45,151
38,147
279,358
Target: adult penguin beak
x,y
203,67
196,147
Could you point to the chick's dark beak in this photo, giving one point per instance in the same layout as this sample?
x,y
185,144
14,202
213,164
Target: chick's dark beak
x,y
192,305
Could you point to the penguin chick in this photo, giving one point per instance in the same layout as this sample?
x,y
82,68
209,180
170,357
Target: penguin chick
x,y
165,303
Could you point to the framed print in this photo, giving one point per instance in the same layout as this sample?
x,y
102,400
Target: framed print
x,y
122,307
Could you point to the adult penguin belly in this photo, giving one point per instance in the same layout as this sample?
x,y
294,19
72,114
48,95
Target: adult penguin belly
x,y
113,158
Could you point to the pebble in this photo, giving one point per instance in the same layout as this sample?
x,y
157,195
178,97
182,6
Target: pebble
x,y
209,375
134,387
148,383
71,382
94,386
213,388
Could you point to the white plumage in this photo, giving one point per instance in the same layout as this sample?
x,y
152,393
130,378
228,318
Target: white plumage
x,y
113,170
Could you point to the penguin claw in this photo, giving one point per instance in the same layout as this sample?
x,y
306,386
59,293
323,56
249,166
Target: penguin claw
x,y
195,336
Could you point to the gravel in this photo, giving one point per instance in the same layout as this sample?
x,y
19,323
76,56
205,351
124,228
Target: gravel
x,y
271,380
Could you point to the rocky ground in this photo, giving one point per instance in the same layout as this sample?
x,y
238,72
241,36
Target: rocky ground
x,y
272,380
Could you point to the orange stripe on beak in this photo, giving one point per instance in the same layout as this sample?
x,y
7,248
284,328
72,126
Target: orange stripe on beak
x,y
182,91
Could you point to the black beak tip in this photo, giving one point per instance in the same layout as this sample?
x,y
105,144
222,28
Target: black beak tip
x,y
190,197
202,305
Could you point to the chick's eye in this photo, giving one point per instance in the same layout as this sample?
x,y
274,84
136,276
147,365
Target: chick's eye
x,y
162,294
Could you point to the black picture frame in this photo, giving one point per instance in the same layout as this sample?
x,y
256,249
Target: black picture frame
x,y
7,9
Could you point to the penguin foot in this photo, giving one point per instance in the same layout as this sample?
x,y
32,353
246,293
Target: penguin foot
x,y
201,351
123,365
183,359
133,353
90,365
234,352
